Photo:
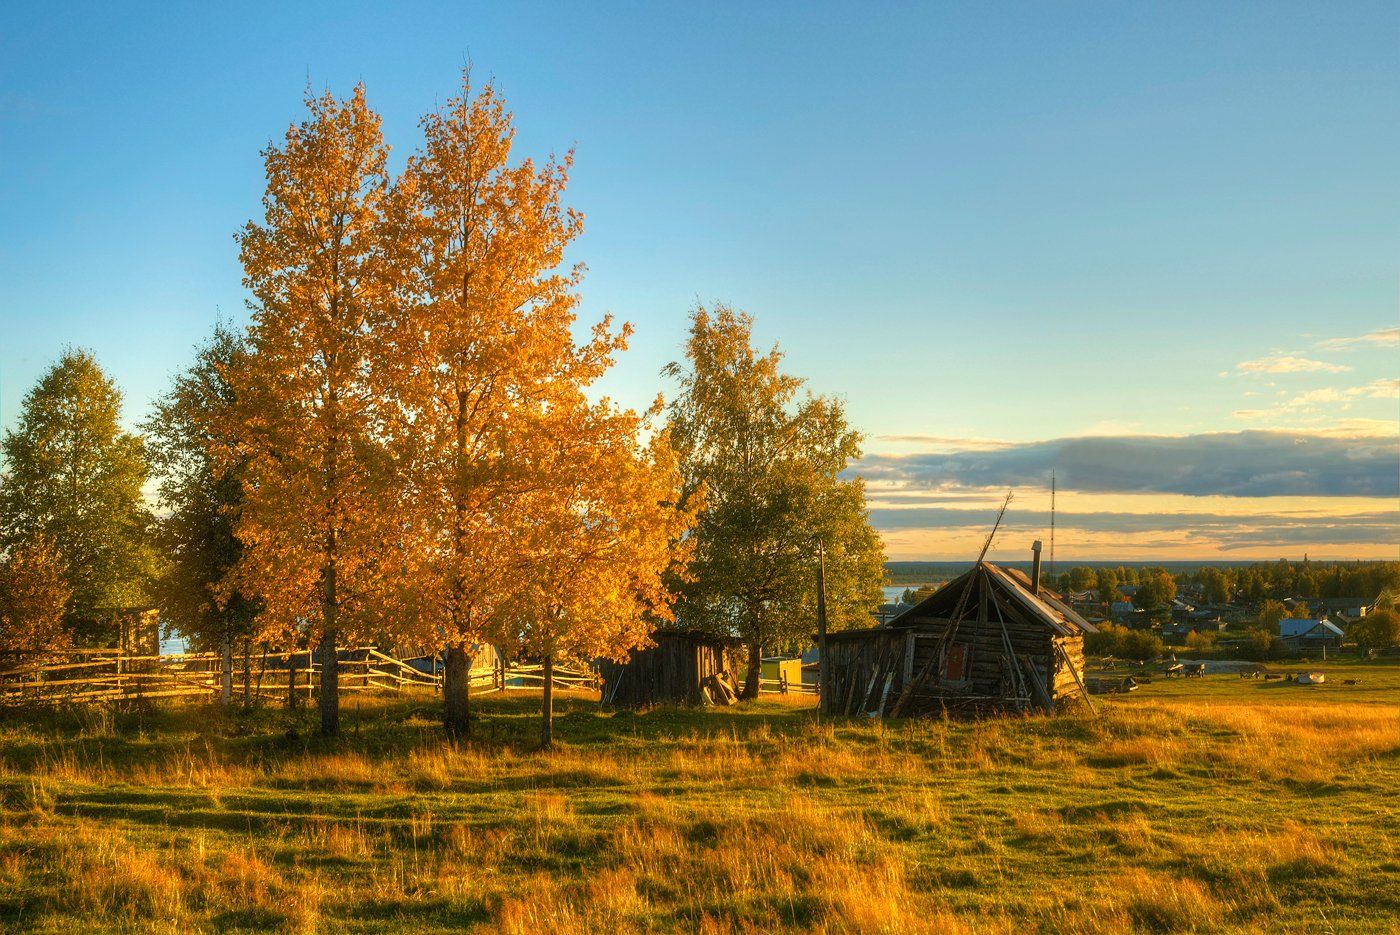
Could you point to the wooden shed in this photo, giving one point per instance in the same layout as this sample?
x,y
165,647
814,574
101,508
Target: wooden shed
x,y
682,668
989,641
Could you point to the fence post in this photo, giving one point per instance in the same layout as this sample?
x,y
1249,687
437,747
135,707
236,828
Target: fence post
x,y
247,672
226,672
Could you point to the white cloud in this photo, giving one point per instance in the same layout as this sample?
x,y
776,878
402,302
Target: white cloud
x,y
1288,363
1381,337
1327,397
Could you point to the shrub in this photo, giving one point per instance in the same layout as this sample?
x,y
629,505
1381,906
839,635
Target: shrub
x,y
1142,645
1113,640
1262,645
33,599
1201,640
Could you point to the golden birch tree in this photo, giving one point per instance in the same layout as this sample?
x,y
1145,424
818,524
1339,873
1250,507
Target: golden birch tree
x,y
600,544
482,349
305,404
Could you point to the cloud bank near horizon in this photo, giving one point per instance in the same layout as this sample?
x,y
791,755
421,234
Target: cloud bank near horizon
x,y
1251,463
923,502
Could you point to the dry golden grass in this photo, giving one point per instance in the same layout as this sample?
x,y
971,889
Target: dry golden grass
x,y
1162,814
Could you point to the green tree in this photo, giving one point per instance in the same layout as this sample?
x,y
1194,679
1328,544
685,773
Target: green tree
x,y
1380,629
1215,586
1107,585
74,478
1081,578
199,496
1270,613
1257,589
1261,645
1154,590
916,595
769,466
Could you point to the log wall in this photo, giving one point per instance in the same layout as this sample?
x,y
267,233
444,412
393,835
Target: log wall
x,y
862,663
671,672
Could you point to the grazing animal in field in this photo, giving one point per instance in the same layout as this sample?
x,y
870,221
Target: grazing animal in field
x,y
1349,682
1175,670
1196,670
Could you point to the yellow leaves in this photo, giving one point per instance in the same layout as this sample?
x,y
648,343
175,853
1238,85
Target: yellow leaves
x,y
420,452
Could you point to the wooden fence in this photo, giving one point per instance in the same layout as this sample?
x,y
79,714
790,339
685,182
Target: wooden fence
x,y
97,675
782,686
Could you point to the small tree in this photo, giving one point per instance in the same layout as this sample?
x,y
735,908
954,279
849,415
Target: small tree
x,y
598,544
1262,644
1106,582
74,480
1380,629
1270,613
1106,642
200,495
771,467
33,600
1201,640
1141,645
1081,578
916,595
1155,590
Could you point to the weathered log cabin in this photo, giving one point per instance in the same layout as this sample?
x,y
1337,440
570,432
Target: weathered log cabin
x,y
989,641
684,667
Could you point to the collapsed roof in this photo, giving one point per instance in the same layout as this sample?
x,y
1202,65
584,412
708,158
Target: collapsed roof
x,y
1009,584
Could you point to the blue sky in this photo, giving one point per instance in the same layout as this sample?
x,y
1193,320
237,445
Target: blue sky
x,y
990,228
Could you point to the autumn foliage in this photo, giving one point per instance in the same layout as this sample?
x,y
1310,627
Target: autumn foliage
x,y
33,600
421,461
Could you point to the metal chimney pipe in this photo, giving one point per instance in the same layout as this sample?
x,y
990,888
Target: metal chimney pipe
x,y
1035,567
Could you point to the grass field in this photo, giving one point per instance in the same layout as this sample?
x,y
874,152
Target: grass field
x,y
1214,804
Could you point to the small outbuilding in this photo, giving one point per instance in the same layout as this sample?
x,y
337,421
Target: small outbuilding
x,y
684,667
989,641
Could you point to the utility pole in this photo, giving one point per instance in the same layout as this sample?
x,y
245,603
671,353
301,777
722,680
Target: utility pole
x,y
822,663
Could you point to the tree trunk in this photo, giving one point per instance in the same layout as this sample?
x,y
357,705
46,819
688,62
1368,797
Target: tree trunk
x,y
330,686
226,672
456,692
755,671
547,728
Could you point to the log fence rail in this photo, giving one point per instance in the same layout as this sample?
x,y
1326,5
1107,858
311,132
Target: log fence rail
x,y
94,675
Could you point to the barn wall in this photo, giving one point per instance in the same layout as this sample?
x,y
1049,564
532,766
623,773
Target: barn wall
x,y
860,663
668,673
1066,689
